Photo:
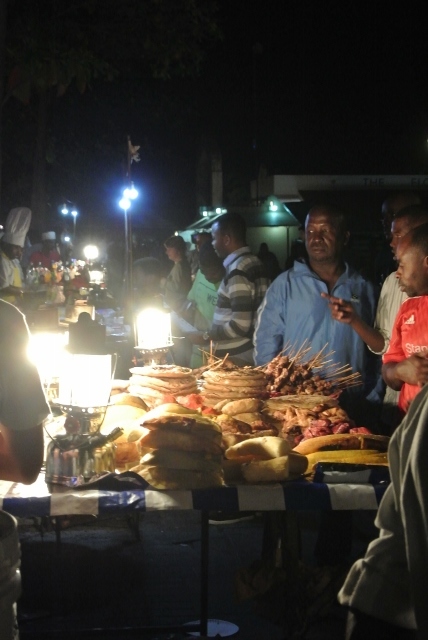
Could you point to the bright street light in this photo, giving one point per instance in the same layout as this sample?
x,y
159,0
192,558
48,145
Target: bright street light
x,y
130,192
91,252
65,211
125,202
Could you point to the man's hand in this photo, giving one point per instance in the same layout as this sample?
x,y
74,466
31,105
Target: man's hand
x,y
413,370
344,311
341,310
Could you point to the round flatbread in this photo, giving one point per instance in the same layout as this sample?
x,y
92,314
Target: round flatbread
x,y
162,371
237,383
231,392
167,384
232,377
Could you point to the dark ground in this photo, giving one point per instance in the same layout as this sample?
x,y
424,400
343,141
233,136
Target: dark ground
x,y
103,578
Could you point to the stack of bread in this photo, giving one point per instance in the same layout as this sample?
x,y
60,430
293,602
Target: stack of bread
x,y
232,384
159,384
263,459
185,449
125,411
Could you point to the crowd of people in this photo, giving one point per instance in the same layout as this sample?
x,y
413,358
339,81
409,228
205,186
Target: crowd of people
x,y
321,301
242,305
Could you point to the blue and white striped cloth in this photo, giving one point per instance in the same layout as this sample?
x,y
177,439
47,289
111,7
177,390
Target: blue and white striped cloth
x,y
37,500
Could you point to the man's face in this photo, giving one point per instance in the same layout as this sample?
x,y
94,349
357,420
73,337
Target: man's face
x,y
200,239
220,241
13,251
399,228
324,239
412,271
48,245
212,273
173,254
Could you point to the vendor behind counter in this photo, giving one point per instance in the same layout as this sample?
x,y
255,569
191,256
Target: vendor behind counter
x,y
11,247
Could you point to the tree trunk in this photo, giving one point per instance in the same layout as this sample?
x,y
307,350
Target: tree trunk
x,y
38,192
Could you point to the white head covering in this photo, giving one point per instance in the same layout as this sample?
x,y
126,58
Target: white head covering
x,y
49,235
17,225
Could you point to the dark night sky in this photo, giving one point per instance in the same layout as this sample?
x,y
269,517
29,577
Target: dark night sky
x,y
338,87
321,87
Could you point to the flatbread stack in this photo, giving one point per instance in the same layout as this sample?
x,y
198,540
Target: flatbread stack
x,y
158,384
185,449
232,384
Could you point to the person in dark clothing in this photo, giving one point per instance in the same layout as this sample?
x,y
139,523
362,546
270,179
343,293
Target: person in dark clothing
x,y
269,260
179,279
298,249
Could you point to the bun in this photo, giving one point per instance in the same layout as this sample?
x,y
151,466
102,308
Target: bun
x,y
275,470
182,441
171,479
247,405
263,448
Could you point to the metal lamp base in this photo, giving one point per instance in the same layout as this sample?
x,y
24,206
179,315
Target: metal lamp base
x,y
151,356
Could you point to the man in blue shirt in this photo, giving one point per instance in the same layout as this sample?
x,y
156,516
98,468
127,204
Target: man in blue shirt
x,y
294,312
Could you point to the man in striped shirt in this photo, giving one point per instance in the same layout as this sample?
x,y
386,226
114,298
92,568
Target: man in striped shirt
x,y
239,295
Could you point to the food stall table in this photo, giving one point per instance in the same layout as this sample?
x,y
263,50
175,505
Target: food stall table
x,y
38,500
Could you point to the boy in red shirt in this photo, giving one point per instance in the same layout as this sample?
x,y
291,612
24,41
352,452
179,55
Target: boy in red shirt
x,y
405,364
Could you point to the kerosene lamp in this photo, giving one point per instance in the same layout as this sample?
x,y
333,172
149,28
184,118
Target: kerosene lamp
x,y
82,452
154,339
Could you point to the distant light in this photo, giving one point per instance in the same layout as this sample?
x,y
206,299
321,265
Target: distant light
x,y
130,192
74,213
91,252
66,239
64,210
218,210
224,211
205,213
273,206
124,203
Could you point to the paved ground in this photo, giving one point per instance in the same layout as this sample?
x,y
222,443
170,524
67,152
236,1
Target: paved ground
x,y
103,579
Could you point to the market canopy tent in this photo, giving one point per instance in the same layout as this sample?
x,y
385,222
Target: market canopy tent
x,y
271,222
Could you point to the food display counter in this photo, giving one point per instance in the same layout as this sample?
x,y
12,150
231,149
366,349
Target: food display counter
x,y
181,432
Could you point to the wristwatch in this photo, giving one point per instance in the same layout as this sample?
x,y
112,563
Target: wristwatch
x,y
205,336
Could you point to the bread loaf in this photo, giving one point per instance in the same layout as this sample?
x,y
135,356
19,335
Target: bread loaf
x,y
276,469
263,448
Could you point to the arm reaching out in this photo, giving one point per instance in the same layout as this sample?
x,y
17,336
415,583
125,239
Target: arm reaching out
x,y
344,311
413,370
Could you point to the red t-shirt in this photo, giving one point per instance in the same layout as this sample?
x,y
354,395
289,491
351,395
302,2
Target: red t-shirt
x,y
45,260
409,336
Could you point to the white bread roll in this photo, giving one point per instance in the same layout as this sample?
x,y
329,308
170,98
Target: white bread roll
x,y
263,448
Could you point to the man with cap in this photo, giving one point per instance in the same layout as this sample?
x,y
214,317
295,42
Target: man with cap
x,y
11,245
48,253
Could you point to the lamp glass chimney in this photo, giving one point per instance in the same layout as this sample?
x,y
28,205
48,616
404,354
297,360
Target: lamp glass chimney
x,y
154,329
